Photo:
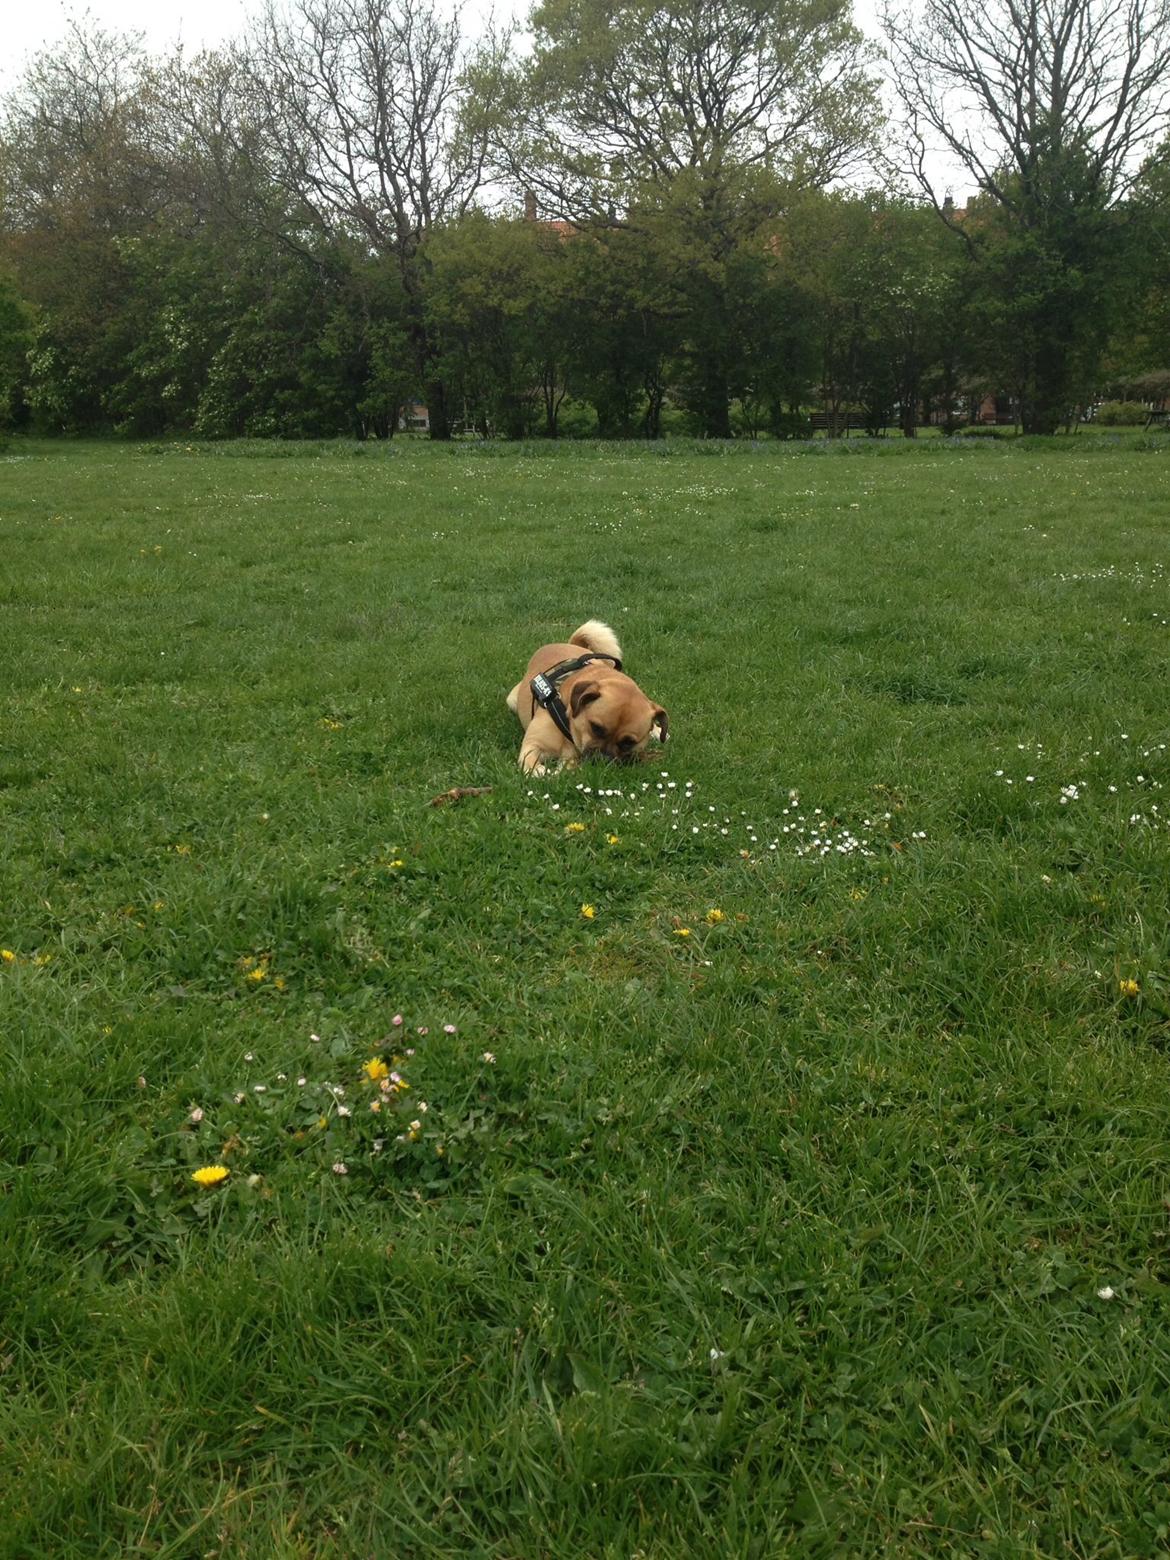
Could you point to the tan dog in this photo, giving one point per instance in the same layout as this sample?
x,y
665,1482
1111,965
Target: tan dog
x,y
606,712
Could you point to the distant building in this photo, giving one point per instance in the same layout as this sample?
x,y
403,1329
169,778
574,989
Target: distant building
x,y
414,418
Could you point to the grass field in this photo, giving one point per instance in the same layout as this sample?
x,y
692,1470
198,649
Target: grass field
x,y
808,1196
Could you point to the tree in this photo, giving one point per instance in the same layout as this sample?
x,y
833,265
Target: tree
x,y
15,340
621,99
78,178
687,113
353,108
1049,106
1137,363
627,305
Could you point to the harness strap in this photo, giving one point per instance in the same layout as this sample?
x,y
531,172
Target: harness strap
x,y
546,685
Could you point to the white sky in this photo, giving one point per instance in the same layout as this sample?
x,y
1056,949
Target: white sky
x,y
29,28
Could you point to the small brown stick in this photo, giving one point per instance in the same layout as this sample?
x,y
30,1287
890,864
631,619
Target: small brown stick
x,y
457,793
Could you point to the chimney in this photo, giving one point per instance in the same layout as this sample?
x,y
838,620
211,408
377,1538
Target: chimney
x,y
530,205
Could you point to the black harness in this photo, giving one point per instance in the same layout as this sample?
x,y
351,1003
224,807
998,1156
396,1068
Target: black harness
x,y
546,685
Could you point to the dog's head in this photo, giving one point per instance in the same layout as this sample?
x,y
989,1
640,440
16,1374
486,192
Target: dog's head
x,y
609,714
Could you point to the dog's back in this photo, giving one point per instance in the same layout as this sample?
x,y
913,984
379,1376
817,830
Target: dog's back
x,y
594,635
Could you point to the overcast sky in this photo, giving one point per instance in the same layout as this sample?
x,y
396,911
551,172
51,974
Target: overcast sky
x,y
29,28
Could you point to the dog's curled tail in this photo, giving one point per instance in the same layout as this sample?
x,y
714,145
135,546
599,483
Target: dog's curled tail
x,y
598,637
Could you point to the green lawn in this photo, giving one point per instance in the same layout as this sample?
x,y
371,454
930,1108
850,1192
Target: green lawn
x,y
809,1198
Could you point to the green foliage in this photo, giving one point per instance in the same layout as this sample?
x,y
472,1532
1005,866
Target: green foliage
x,y
157,284
1116,414
16,334
648,100
1051,281
497,307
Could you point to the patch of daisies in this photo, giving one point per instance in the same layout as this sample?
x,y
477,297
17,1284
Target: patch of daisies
x,y
1143,576
799,831
1031,769
342,1111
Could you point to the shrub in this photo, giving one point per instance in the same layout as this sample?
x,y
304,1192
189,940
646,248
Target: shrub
x,y
1115,414
792,425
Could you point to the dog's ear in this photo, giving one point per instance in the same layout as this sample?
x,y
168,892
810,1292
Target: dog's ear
x,y
583,694
661,722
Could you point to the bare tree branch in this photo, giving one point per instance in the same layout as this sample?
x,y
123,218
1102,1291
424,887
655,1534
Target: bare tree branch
x,y
1006,86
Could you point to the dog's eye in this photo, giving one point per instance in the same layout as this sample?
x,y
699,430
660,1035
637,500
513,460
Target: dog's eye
x,y
598,731
627,742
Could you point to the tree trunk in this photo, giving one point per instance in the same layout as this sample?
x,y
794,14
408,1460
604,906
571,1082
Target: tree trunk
x,y
714,406
652,421
1044,402
515,417
909,407
552,401
437,412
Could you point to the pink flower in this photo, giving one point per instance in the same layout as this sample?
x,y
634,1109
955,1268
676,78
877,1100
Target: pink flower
x,y
396,1020
448,1029
423,1030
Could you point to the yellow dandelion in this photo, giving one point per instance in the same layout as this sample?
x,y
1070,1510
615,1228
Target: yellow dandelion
x,y
612,839
857,895
279,983
7,955
159,904
257,975
182,850
376,1068
574,828
1128,988
588,912
682,931
395,864
211,1175
41,959
714,917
